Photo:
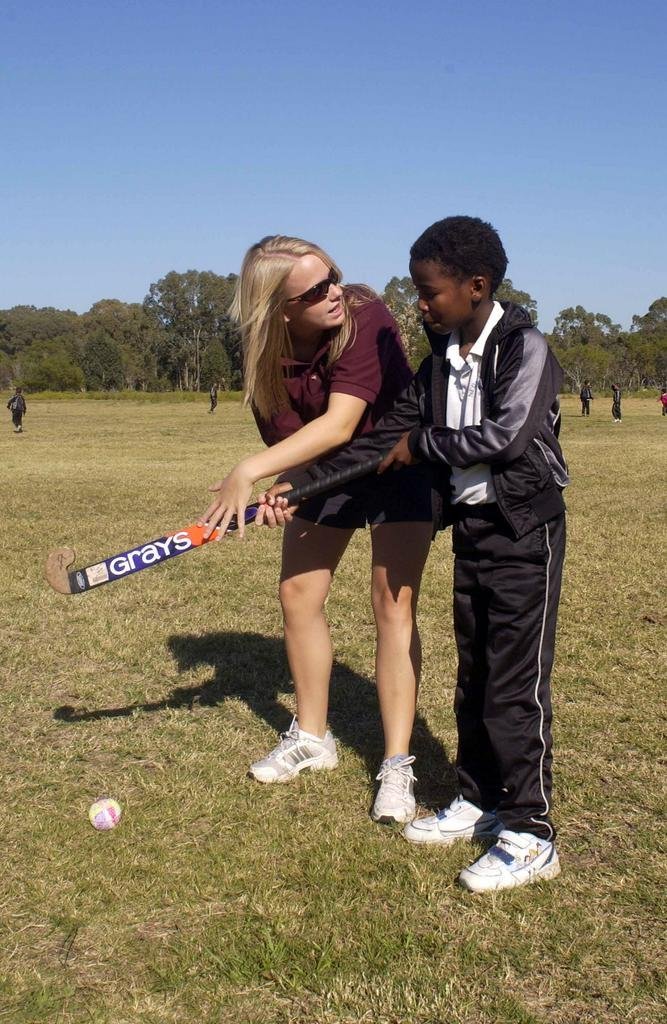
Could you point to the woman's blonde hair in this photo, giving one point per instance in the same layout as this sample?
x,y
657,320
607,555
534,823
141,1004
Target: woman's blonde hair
x,y
258,309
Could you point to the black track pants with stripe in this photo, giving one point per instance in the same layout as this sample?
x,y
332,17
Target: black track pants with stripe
x,y
506,594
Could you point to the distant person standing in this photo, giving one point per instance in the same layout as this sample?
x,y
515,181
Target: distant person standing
x,y
213,394
616,403
17,407
663,401
586,396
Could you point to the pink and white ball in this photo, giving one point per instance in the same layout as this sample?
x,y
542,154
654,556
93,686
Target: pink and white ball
x,y
104,814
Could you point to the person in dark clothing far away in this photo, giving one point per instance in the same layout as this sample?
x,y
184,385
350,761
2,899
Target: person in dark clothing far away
x,y
17,406
586,396
483,410
213,394
616,403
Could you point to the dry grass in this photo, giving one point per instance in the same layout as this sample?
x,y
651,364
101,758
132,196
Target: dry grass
x,y
218,900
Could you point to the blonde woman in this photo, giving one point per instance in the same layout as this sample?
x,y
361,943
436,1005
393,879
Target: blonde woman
x,y
323,362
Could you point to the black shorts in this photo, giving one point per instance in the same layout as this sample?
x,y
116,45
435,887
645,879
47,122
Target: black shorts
x,y
397,496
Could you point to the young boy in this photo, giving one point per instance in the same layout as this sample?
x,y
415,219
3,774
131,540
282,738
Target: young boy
x,y
483,409
586,397
17,407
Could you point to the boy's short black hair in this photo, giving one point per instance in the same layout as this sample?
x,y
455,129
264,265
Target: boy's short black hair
x,y
463,246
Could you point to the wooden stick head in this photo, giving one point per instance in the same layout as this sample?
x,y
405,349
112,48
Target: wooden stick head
x,y
56,570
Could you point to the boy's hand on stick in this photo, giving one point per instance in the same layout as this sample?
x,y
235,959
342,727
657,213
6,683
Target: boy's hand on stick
x,y
400,455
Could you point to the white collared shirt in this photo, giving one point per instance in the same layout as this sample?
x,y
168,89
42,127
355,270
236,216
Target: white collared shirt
x,y
474,484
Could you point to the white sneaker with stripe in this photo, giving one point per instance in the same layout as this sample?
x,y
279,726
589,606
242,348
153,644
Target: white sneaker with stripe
x,y
517,858
296,751
461,820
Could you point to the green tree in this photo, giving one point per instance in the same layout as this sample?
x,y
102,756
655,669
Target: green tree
x,y
400,295
136,335
506,292
21,325
650,332
102,363
584,362
48,366
216,367
576,326
191,309
124,322
655,321
400,291
638,363
6,370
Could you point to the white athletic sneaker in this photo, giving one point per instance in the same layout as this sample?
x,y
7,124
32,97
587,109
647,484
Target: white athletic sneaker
x,y
395,800
516,859
296,751
461,820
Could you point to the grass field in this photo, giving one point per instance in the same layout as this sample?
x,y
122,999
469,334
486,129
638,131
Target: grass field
x,y
219,900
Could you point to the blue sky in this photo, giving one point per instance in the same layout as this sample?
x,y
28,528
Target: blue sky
x,y
143,137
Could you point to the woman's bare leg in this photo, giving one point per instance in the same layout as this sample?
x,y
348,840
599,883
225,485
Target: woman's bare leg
x,y
399,554
311,554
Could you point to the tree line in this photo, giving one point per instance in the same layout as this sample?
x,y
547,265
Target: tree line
x,y
181,338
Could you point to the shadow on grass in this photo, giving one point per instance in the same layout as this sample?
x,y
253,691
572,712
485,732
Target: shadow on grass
x,y
253,668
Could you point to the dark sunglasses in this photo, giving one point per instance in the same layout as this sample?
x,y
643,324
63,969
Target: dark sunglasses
x,y
318,292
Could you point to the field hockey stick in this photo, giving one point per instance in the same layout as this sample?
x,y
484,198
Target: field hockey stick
x,y
66,580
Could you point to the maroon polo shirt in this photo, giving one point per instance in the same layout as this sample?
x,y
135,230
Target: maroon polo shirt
x,y
372,366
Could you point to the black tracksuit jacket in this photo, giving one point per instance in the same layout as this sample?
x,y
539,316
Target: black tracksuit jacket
x,y
503,705
520,380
